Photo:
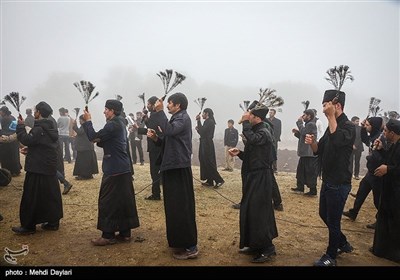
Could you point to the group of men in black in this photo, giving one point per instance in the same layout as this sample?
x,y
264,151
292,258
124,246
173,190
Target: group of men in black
x,y
117,206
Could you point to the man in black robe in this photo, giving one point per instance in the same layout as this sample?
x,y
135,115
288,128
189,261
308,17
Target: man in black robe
x,y
257,219
334,150
387,232
117,204
208,162
41,198
176,175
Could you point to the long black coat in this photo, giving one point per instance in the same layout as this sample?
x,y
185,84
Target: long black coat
x,y
387,231
257,220
208,162
41,198
9,152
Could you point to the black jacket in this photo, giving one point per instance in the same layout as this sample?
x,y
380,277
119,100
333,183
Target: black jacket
x,y
42,143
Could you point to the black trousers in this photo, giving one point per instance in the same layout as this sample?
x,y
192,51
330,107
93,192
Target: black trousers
x,y
276,195
368,183
155,173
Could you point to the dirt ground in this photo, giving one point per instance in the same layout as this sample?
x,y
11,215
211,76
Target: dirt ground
x,y
302,235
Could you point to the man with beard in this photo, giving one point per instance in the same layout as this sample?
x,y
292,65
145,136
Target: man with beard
x,y
117,204
257,219
387,231
41,198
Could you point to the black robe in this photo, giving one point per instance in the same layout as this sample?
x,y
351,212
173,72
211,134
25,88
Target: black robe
x,y
257,219
387,231
9,152
41,198
208,162
179,204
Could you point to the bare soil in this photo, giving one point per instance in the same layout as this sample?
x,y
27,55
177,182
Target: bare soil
x,y
302,235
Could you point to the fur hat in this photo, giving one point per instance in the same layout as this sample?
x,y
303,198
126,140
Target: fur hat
x,y
393,125
260,111
330,94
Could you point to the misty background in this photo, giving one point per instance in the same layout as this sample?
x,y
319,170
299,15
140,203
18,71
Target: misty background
x,y
226,50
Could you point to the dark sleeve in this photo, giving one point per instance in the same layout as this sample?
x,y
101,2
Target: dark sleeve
x,y
226,137
103,134
28,139
241,155
199,127
169,129
236,137
254,138
343,136
205,128
394,169
278,130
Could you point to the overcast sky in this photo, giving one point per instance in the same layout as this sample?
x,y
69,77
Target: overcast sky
x,y
227,50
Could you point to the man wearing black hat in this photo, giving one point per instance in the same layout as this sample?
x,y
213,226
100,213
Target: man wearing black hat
x,y
41,197
154,151
117,204
386,239
257,219
334,152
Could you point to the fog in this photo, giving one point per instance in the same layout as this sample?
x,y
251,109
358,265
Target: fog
x,y
226,50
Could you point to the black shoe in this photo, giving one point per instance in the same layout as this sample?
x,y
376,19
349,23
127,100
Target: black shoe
x,y
371,226
23,231
349,215
1,217
217,185
346,248
265,256
67,188
153,197
279,207
311,193
325,260
298,190
236,206
48,226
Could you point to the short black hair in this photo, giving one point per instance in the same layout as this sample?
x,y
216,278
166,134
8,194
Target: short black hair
x,y
231,121
179,98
